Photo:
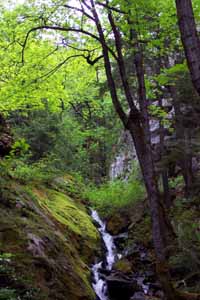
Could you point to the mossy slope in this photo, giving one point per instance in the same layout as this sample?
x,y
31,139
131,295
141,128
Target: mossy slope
x,y
52,241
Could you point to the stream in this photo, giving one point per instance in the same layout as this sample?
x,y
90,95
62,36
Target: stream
x,y
136,286
100,285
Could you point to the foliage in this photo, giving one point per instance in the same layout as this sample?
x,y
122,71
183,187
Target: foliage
x,y
177,182
111,196
8,294
18,169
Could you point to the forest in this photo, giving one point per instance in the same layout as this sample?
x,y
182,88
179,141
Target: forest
x,y
100,150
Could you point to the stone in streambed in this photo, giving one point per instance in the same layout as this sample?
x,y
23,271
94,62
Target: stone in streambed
x,y
124,266
150,276
138,296
121,286
117,224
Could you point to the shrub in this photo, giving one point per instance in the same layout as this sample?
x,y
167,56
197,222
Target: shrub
x,y
114,195
8,294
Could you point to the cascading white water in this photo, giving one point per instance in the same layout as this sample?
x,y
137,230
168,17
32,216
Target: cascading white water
x,y
99,284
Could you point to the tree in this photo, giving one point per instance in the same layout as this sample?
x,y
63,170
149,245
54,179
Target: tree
x,y
137,120
190,39
116,29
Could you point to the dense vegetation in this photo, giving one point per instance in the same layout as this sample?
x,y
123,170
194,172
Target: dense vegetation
x,y
73,76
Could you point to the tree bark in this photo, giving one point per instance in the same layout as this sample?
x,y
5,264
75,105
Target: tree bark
x,y
164,171
190,39
185,161
6,138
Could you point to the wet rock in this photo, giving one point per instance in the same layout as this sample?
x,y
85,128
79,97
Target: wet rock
x,y
155,287
36,245
132,250
120,240
150,276
138,296
118,224
124,266
179,271
121,286
159,294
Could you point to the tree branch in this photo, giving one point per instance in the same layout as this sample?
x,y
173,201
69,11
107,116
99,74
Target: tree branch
x,y
86,5
111,8
80,10
87,58
59,66
111,83
56,28
92,62
59,28
65,43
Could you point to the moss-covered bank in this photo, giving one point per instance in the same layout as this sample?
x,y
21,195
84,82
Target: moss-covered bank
x,y
47,243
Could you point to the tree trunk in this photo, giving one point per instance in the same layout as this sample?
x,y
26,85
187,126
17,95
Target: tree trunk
x,y
187,165
185,161
156,209
190,39
166,190
139,129
164,172
6,139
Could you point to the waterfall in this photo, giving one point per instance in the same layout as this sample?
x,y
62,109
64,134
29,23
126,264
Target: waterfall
x,y
124,156
106,280
99,284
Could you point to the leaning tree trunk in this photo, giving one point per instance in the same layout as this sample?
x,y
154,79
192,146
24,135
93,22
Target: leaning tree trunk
x,y
139,132
161,228
190,39
156,209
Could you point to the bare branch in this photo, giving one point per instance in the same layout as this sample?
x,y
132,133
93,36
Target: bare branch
x,y
86,5
59,28
56,28
50,53
78,112
111,8
48,74
92,62
65,43
54,70
80,10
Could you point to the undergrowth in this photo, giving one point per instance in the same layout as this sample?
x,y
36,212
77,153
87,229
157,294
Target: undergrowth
x,y
114,195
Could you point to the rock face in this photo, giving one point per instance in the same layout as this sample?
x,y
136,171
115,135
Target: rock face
x,y
48,242
125,153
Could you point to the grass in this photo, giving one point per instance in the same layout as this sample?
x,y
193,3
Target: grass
x,y
112,196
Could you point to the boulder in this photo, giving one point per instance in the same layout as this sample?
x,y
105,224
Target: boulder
x,y
121,286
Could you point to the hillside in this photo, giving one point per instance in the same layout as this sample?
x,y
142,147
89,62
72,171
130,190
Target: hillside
x,y
48,242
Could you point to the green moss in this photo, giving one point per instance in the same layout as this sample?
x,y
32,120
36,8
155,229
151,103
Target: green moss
x,y
123,265
65,211
57,262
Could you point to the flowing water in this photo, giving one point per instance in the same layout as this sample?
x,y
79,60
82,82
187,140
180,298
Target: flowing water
x,y
99,284
104,267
